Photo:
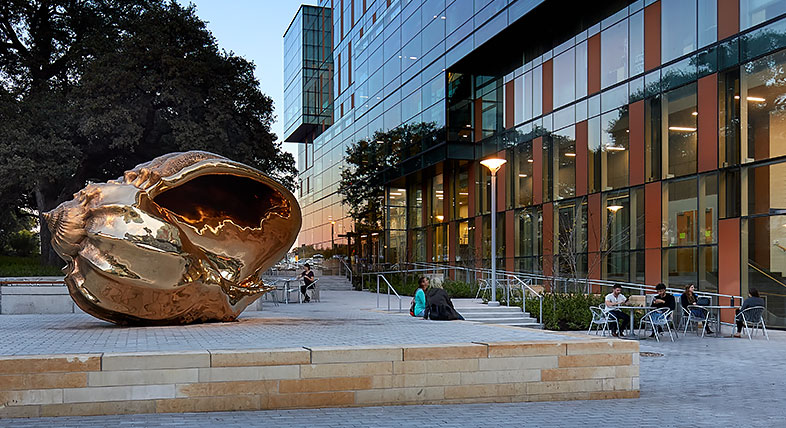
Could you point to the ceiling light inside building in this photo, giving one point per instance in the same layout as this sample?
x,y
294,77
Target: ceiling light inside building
x,y
530,160
695,113
682,128
464,193
756,99
615,148
614,208
570,155
440,217
523,175
395,194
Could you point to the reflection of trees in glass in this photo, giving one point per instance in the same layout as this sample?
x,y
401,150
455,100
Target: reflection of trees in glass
x,y
362,184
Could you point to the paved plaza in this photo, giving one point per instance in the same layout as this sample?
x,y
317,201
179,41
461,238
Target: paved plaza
x,y
696,382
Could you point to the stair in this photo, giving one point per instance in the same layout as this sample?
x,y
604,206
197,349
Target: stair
x,y
334,283
502,315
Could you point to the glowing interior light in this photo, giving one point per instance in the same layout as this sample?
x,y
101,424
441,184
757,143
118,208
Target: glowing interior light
x,y
493,164
614,208
682,128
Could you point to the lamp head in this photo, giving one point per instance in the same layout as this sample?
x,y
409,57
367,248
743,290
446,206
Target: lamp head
x,y
493,164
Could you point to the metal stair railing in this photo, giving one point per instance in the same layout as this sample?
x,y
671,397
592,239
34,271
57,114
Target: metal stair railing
x,y
390,287
348,270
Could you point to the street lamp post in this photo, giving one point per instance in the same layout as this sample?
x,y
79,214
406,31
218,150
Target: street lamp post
x,y
493,164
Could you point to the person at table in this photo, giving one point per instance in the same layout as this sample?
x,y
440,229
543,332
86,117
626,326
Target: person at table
x,y
614,300
753,300
689,298
419,308
308,279
663,299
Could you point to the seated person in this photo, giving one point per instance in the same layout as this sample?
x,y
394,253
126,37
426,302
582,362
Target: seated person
x,y
439,306
689,298
308,279
614,299
662,300
753,300
419,307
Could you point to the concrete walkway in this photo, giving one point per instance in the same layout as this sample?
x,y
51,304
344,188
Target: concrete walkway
x,y
691,382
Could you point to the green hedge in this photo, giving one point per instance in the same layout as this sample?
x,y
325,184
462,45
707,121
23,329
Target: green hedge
x,y
455,289
26,266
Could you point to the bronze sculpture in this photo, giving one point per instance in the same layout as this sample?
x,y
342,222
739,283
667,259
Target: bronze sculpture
x,y
183,238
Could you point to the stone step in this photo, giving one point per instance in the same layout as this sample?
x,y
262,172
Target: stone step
x,y
473,314
483,308
506,321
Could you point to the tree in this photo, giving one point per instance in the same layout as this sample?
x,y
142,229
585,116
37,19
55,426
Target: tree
x,y
91,88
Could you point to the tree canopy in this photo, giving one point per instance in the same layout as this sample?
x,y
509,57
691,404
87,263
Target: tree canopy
x,y
91,88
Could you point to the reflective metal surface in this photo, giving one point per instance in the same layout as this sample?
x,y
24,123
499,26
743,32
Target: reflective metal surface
x,y
180,239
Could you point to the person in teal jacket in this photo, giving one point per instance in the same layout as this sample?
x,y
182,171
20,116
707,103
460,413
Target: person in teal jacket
x,y
420,297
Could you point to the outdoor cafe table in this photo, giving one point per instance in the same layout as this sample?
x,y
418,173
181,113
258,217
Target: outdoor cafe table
x,y
286,282
717,310
632,310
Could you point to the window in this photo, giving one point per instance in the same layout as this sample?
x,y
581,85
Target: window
x,y
763,88
565,162
614,149
564,78
440,253
679,153
652,139
614,54
708,209
461,196
415,204
754,12
678,28
437,200
521,175
528,230
680,212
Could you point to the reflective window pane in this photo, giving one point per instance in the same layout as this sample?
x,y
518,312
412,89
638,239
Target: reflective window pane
x,y
764,88
754,12
614,54
564,78
680,223
614,149
680,118
678,28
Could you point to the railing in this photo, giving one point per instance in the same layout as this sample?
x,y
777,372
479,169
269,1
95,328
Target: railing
x,y
390,287
587,284
348,270
524,285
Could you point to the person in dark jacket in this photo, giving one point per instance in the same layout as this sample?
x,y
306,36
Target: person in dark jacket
x,y
663,299
752,301
439,307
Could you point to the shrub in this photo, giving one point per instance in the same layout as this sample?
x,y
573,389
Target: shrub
x,y
26,266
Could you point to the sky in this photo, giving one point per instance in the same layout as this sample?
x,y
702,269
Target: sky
x,y
254,29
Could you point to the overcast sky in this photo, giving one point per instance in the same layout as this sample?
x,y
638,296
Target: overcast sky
x,y
254,29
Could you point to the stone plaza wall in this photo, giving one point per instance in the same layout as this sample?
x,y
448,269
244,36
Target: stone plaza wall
x,y
216,380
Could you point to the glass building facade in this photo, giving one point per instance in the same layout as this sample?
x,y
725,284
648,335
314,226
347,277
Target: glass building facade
x,y
645,140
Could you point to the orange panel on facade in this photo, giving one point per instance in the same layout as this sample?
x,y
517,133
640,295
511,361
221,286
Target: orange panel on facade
x,y
636,143
652,36
510,103
729,261
593,64
582,153
537,170
548,86
652,221
708,123
728,18
652,266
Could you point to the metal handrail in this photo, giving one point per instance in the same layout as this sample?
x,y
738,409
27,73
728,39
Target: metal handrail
x,y
390,287
524,297
348,269
588,281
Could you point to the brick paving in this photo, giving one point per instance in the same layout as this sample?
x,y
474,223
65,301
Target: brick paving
x,y
342,318
697,382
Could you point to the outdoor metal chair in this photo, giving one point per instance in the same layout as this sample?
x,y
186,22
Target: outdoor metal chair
x,y
314,287
600,318
698,315
660,317
753,318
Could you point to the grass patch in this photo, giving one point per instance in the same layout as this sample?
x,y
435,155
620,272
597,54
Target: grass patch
x,y
26,266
